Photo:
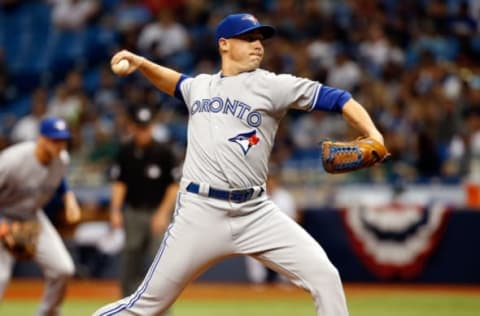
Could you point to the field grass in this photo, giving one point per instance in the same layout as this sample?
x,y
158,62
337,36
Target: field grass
x,y
404,304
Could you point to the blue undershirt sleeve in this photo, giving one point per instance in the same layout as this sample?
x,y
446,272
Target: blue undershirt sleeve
x,y
62,187
331,99
178,92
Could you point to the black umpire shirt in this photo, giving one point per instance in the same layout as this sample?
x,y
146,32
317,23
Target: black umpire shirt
x,y
146,172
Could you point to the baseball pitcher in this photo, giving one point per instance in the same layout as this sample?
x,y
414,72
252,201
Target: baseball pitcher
x,y
222,207
30,174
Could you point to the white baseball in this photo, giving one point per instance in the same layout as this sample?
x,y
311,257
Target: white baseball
x,y
121,67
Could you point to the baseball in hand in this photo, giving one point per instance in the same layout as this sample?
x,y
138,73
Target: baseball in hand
x,y
121,67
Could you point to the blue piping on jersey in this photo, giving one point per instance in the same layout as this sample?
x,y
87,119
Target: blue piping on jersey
x,y
330,99
136,296
63,187
315,98
178,93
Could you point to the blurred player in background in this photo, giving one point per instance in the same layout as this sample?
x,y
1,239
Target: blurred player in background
x,y
31,173
143,195
257,272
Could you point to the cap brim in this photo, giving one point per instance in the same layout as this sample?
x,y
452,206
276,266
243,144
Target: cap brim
x,y
141,124
267,31
136,121
58,136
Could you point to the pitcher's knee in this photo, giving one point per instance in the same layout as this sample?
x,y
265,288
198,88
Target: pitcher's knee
x,y
326,274
68,268
64,270
333,273
3,285
5,275
333,270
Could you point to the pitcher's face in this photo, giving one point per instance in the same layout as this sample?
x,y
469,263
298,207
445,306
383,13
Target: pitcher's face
x,y
245,50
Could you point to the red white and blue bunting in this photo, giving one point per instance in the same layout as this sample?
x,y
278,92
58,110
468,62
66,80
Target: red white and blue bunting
x,y
394,241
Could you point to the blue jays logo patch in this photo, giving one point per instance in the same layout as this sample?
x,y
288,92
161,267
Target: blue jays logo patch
x,y
246,140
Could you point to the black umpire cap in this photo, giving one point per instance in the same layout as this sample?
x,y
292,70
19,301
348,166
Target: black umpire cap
x,y
141,114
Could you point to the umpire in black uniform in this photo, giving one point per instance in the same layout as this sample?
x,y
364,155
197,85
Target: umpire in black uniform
x,y
143,195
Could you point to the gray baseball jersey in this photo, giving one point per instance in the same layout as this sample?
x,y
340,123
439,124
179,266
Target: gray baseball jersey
x,y
233,121
25,187
232,126
25,184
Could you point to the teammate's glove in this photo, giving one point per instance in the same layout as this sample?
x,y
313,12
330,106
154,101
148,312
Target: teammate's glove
x,y
20,238
338,157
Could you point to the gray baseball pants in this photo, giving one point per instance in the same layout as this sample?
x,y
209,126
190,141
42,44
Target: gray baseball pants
x,y
54,260
206,230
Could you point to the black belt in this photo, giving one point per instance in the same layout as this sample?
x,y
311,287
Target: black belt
x,y
236,196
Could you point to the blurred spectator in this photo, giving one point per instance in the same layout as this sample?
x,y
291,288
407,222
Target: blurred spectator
x,y
105,146
285,17
428,38
106,96
464,26
473,121
163,38
130,15
99,145
323,48
377,50
65,105
428,163
70,99
156,6
7,89
465,147
312,128
26,127
73,14
344,73
437,11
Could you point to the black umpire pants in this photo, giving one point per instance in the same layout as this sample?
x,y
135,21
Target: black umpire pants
x,y
140,247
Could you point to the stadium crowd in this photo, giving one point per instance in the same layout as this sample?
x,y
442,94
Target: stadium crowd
x,y
412,64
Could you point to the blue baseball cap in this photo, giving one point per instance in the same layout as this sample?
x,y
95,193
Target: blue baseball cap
x,y
54,128
241,23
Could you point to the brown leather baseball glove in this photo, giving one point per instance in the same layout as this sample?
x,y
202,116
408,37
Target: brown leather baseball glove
x,y
20,238
340,157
